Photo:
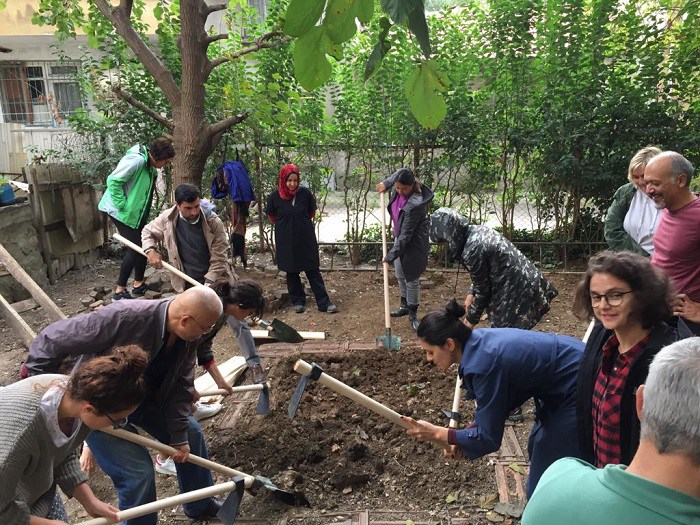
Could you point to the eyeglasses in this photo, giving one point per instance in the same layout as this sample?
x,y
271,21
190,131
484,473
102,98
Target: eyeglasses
x,y
118,423
204,330
612,298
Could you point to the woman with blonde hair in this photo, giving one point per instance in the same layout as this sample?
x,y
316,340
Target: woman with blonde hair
x,y
632,217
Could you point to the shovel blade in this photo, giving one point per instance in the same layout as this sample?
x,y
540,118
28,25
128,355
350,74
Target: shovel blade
x,y
296,398
229,510
285,333
264,402
388,342
286,497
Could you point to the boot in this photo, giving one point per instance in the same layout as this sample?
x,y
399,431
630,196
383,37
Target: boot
x,y
401,310
413,316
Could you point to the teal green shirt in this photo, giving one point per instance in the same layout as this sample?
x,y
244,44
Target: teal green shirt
x,y
573,492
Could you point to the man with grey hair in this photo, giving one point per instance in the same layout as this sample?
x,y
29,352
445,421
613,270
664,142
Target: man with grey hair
x,y
662,483
677,238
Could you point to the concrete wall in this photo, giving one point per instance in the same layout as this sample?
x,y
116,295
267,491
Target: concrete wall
x,y
19,237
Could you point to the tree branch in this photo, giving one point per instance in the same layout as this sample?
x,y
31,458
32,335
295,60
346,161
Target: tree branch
x,y
120,18
214,8
214,38
117,90
264,42
224,124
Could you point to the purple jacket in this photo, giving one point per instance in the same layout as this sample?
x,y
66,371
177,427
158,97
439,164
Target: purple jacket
x,y
140,322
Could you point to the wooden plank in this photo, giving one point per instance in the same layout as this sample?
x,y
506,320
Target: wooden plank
x,y
19,326
231,369
24,306
35,200
52,311
264,334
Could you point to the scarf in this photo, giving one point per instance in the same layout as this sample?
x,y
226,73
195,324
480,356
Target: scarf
x,y
285,172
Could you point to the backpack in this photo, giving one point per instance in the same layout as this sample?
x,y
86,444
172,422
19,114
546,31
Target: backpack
x,y
232,180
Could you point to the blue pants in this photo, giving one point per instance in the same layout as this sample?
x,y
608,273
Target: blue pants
x,y
131,469
553,437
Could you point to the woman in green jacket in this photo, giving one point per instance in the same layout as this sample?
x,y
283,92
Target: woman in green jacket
x,y
127,200
632,218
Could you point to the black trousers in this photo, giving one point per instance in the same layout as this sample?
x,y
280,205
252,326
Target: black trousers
x,y
132,261
297,293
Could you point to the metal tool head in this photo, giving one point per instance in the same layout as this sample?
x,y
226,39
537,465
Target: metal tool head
x,y
448,414
388,341
264,401
316,372
285,333
229,510
295,499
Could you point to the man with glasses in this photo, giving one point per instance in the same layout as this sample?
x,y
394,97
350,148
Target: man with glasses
x,y
171,331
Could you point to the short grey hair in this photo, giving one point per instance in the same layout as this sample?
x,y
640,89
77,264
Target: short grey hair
x,y
671,408
679,165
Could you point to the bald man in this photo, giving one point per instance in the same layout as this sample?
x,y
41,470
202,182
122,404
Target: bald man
x,y
170,330
667,179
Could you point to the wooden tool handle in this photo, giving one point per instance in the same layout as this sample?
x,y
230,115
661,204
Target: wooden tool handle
x,y
169,267
244,388
166,449
387,317
165,503
455,402
304,368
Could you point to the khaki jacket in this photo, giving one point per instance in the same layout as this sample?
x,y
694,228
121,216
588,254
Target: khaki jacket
x,y
163,229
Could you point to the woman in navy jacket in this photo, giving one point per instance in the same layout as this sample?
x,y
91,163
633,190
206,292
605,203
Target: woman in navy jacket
x,y
501,368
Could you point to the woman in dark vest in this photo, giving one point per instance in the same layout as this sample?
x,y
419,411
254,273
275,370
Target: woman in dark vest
x,y
631,301
408,208
291,208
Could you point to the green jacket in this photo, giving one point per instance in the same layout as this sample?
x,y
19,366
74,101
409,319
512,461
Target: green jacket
x,y
618,239
130,188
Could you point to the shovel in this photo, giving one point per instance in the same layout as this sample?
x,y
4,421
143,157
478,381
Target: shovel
x,y
229,510
281,331
387,341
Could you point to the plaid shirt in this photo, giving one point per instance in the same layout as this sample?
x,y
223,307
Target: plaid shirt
x,y
607,398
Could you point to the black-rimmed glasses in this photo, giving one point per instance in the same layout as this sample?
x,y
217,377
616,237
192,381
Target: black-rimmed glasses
x,y
612,298
118,423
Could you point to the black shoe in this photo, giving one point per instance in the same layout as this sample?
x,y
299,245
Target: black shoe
x,y
139,290
245,262
259,375
211,512
516,415
413,316
331,309
299,308
124,294
401,310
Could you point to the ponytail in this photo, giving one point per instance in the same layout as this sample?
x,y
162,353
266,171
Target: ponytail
x,y
246,294
111,383
438,326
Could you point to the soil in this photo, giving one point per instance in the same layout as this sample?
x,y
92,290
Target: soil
x,y
335,454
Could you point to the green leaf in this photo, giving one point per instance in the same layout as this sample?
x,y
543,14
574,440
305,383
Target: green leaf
x,y
419,27
302,16
364,10
340,20
517,468
335,50
158,11
400,10
381,48
451,497
311,67
422,87
93,41
274,87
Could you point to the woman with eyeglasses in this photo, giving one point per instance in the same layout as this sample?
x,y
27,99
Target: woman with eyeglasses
x,y
631,302
43,422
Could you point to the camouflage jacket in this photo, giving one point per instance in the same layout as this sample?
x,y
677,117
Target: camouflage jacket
x,y
505,283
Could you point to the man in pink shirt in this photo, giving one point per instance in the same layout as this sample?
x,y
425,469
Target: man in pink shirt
x,y
677,239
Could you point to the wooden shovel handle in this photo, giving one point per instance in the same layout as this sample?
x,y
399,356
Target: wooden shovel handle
x,y
244,388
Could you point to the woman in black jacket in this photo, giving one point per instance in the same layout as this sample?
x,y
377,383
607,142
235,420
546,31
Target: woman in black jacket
x,y
291,207
631,301
408,209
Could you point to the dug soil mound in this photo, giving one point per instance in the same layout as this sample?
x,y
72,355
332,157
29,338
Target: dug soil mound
x,y
339,454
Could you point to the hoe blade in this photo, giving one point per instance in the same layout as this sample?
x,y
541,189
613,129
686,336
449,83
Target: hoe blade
x,y
264,402
229,510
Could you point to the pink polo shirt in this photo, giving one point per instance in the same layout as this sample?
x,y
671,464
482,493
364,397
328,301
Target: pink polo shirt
x,y
677,247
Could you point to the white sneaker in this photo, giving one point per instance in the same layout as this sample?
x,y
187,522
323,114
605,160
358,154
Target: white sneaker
x,y
205,410
166,467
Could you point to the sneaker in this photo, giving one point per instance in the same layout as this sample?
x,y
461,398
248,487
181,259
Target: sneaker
x,y
259,375
204,411
332,309
299,308
516,415
124,294
139,290
166,467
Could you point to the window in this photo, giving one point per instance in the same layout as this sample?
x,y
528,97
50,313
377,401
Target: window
x,y
39,94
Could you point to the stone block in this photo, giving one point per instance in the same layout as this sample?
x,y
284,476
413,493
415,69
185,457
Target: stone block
x,y
150,271
87,301
96,304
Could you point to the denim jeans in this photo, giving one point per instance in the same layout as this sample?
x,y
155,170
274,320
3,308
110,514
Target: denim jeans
x,y
131,469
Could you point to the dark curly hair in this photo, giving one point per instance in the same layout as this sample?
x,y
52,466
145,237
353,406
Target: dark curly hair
x,y
439,325
653,291
162,149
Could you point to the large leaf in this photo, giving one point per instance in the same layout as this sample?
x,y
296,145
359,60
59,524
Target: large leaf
x,y
381,48
364,10
400,10
419,27
340,20
422,90
302,16
311,67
